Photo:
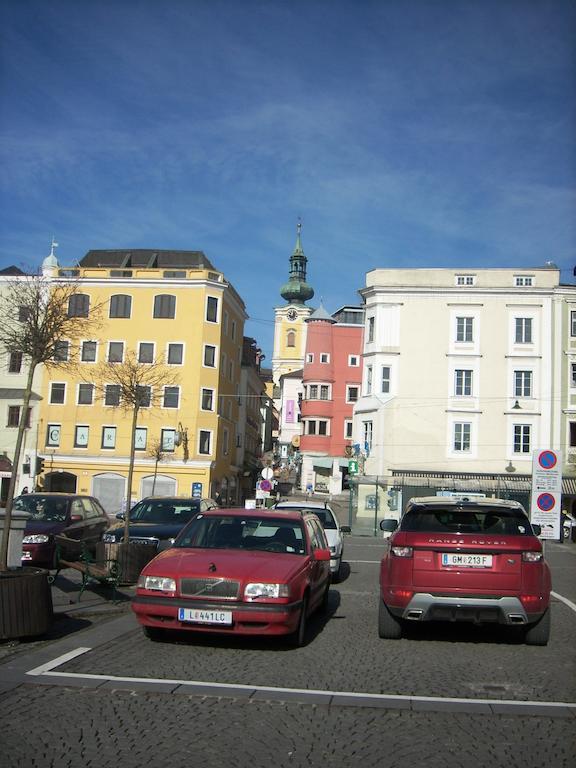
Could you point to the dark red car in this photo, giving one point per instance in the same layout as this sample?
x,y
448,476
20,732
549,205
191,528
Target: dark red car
x,y
474,560
75,517
240,572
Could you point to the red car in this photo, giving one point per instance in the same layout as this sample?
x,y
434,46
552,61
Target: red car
x,y
239,572
454,559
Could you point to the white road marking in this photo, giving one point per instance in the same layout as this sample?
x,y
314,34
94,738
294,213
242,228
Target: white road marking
x,y
565,600
48,670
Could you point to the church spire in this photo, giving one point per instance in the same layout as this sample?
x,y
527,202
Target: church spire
x,y
297,290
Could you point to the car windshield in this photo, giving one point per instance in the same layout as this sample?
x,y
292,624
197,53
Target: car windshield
x,y
45,508
166,511
249,533
322,513
465,520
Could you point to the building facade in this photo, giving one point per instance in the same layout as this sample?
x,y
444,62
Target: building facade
x,y
332,378
463,379
168,308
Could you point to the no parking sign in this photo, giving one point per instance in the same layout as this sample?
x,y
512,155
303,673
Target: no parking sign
x,y
547,492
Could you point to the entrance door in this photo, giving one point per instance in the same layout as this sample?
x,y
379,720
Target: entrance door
x,y
163,486
60,482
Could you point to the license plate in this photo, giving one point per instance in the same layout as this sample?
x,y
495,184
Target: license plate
x,y
205,617
466,561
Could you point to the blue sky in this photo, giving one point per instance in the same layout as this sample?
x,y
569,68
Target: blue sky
x,y
410,133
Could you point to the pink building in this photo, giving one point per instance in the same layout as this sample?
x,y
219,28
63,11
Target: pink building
x,y
331,381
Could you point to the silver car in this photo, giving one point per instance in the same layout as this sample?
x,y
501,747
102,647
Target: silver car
x,y
332,529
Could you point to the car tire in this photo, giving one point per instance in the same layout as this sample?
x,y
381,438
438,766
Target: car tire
x,y
301,634
154,634
389,627
539,633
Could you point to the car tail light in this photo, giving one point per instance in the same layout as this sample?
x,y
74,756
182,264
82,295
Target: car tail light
x,y
531,557
401,594
402,551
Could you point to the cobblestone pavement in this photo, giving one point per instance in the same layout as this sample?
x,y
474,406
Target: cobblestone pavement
x,y
83,721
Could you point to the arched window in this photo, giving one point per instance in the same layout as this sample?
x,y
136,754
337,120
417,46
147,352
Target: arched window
x,y
78,305
291,339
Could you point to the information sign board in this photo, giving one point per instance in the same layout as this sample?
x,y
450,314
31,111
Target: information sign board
x,y
547,492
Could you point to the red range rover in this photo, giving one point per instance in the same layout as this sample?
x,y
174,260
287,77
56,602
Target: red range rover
x,y
238,571
458,559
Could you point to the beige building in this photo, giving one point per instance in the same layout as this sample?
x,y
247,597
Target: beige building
x,y
463,380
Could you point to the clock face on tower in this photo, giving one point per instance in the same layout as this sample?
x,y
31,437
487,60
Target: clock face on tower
x,y
292,315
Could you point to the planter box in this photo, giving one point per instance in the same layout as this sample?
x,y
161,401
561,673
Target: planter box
x,y
131,558
17,526
25,603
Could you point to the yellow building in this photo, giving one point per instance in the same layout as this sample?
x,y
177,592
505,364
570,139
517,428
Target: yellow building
x,y
170,308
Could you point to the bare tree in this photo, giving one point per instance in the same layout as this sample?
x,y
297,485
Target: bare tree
x,y
42,319
158,454
139,385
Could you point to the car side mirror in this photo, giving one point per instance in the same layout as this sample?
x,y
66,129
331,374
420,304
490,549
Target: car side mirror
x,y
388,525
120,516
322,555
345,529
537,529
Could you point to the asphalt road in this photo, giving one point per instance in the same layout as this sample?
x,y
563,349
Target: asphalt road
x,y
104,695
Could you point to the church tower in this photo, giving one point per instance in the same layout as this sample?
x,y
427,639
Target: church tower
x,y
289,320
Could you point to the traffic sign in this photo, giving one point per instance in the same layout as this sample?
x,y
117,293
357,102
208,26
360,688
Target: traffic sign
x,y
547,492
353,467
267,473
265,485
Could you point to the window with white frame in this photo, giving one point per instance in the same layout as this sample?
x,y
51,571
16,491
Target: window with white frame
x,y
316,427
368,379
207,401
141,438
168,440
164,306
57,393
290,339
462,432
144,395
175,354
465,279
353,361
108,437
465,329
367,434
85,394
209,356
385,380
112,394
324,357
348,426
522,383
61,351
523,280
462,382
522,438
572,434
324,392
204,440
370,329
352,393
146,352
15,362
115,351
81,433
523,330
572,323
171,397
211,309
573,374
88,352
310,357
313,392
120,305
53,435
78,305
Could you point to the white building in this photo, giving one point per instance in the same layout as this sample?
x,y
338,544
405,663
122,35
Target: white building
x,y
461,378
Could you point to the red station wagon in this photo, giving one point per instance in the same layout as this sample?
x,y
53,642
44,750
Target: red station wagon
x,y
237,571
453,559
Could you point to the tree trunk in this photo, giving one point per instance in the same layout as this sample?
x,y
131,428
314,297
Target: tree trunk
x,y
130,474
15,464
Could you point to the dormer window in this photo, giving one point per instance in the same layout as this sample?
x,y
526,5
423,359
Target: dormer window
x,y
465,279
523,280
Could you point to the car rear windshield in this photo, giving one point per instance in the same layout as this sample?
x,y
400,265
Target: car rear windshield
x,y
167,512
250,533
45,508
466,520
323,514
